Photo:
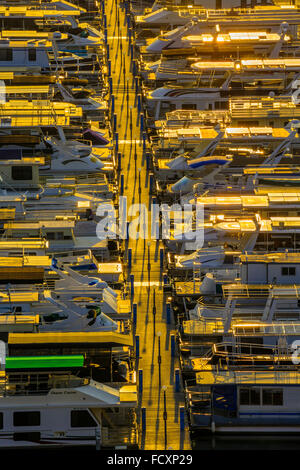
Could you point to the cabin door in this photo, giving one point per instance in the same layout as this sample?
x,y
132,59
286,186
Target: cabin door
x,y
224,400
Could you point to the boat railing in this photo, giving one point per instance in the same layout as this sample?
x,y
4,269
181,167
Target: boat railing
x,y
51,6
240,12
14,319
190,116
37,384
198,10
271,329
265,112
252,350
244,290
85,142
198,400
261,290
203,326
38,112
230,12
250,327
121,433
277,106
271,377
202,13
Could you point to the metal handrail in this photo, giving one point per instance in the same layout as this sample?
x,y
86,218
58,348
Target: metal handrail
x,y
8,387
260,290
277,351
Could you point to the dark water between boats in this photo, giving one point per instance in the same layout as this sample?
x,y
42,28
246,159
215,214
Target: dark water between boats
x,y
247,442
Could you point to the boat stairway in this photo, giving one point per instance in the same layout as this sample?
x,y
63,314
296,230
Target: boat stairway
x,y
199,401
49,284
167,69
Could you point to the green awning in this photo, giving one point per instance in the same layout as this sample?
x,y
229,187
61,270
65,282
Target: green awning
x,y
43,362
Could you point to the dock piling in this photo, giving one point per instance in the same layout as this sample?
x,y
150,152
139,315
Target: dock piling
x,y
177,381
134,314
181,414
137,346
140,380
172,345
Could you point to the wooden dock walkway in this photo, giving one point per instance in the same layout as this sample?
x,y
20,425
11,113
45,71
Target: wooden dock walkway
x,y
152,328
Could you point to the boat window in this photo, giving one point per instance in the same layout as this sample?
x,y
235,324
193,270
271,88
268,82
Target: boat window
x,y
32,54
14,23
6,55
21,173
82,419
189,106
112,410
27,436
27,418
5,122
1,420
249,396
288,271
272,397
55,235
50,235
228,259
221,105
248,123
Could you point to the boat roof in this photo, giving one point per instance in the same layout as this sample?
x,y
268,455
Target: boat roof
x,y
257,36
22,261
239,290
265,329
123,395
18,296
251,201
30,35
104,268
281,101
16,157
40,224
8,320
52,8
271,258
25,113
23,243
21,44
289,224
219,221
10,89
263,170
43,362
198,132
256,13
247,64
105,337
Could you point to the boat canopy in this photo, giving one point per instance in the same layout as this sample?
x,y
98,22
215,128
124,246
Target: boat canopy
x,y
44,362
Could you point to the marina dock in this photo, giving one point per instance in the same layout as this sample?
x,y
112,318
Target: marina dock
x,y
151,326
149,225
